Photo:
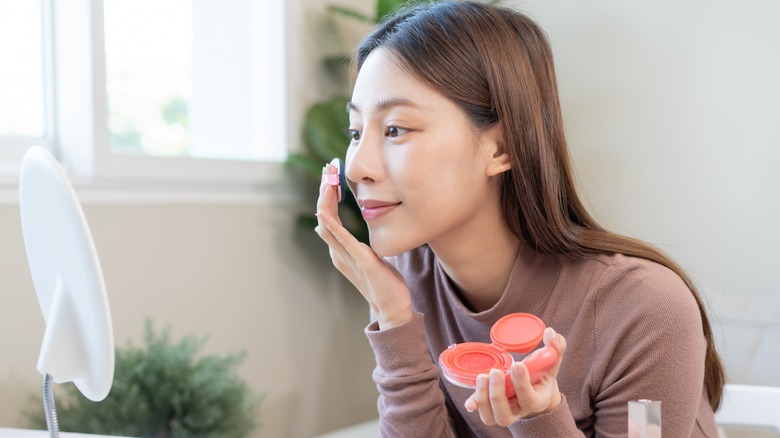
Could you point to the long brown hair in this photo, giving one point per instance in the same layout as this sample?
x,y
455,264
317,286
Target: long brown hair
x,y
497,65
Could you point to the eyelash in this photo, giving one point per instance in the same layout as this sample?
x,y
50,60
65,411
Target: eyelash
x,y
354,134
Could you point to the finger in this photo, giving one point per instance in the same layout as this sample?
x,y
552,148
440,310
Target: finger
x,y
527,398
324,231
502,414
470,404
339,256
327,201
345,239
544,395
338,253
351,255
328,198
557,341
338,165
481,396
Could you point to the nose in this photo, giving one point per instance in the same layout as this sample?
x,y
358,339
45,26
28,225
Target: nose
x,y
364,161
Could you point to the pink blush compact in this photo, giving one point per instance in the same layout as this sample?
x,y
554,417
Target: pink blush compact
x,y
517,333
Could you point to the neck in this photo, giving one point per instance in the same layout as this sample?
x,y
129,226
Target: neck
x,y
479,264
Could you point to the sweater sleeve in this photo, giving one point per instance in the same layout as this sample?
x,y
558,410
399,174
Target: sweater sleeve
x,y
411,403
558,423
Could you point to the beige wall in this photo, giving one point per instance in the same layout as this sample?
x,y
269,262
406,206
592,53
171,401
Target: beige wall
x,y
238,273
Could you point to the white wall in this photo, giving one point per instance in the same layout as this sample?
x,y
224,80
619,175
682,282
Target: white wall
x,y
672,112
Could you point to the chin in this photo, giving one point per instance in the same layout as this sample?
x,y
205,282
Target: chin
x,y
386,244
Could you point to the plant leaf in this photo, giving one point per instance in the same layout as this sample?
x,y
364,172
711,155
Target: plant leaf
x,y
386,8
338,64
350,13
306,221
324,126
163,389
306,164
338,67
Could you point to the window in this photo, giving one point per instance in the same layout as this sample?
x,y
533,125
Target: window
x,y
21,78
24,85
149,76
178,90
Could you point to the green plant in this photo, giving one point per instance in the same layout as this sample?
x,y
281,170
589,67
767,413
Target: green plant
x,y
162,390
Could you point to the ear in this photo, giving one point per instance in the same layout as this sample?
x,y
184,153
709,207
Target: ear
x,y
494,151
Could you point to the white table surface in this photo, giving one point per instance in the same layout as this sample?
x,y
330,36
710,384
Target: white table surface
x,y
26,433
368,429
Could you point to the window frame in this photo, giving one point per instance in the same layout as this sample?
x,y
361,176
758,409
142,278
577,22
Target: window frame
x,y
12,148
77,113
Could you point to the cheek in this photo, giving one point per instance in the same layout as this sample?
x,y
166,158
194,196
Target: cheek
x,y
442,179
443,197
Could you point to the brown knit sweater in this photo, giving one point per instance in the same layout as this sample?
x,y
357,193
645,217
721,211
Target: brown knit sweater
x,y
632,329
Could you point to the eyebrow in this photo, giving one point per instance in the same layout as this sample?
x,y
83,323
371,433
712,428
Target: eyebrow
x,y
385,104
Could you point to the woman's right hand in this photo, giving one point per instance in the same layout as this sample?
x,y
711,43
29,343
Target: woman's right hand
x,y
380,283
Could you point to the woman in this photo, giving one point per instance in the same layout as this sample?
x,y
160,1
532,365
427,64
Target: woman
x,y
459,162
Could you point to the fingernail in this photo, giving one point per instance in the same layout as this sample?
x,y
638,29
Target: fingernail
x,y
470,405
549,335
517,369
495,376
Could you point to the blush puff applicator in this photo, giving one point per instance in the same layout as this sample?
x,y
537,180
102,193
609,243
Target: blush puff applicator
x,y
336,179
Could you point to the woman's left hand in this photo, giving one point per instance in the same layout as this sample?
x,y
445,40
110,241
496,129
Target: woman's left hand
x,y
532,399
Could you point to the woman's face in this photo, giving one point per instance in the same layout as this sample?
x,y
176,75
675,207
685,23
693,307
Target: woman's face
x,y
414,163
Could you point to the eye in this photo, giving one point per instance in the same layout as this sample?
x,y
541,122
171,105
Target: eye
x,y
353,134
394,131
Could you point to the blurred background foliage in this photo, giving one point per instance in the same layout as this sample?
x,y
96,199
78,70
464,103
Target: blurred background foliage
x,y
161,390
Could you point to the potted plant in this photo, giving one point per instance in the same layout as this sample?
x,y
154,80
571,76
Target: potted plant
x,y
161,390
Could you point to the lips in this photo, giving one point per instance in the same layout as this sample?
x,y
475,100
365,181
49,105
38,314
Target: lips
x,y
372,209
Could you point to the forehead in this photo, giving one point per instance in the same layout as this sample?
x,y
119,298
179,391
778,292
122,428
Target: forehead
x,y
382,82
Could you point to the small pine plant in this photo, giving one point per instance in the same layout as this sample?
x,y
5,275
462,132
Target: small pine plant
x,y
161,391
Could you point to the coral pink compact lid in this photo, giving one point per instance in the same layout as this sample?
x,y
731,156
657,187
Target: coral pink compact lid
x,y
518,332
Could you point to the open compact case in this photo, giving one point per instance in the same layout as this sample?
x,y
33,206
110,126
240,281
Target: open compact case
x,y
513,333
